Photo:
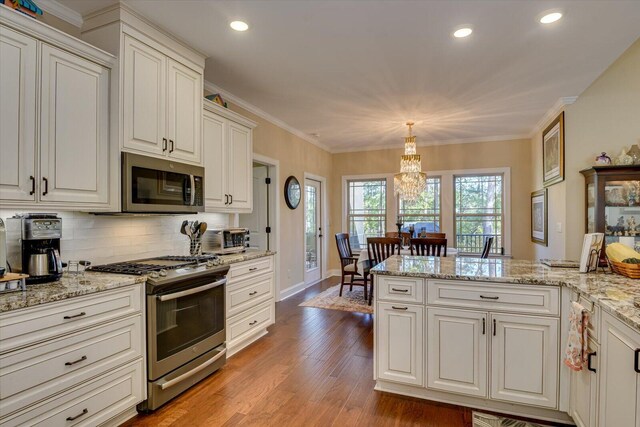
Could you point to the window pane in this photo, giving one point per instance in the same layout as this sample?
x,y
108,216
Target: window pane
x,y
478,212
424,213
311,227
366,210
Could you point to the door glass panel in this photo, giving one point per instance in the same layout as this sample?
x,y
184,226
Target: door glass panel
x,y
311,227
155,187
185,321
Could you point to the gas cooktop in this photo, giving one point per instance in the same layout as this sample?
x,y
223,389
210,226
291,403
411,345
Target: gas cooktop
x,y
146,266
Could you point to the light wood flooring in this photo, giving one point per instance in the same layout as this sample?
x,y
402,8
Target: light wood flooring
x,y
314,368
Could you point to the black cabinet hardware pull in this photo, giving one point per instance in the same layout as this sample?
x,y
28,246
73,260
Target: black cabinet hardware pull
x,y
231,199
399,308
226,199
164,144
484,326
46,186
84,412
494,327
486,297
33,185
74,316
589,357
400,290
82,359
636,363
252,293
172,146
253,268
253,323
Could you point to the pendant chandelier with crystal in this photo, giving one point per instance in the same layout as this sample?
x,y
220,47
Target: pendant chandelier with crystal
x,y
411,181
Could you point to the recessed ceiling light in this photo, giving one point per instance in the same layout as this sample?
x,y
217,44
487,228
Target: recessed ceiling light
x,y
550,17
239,25
462,32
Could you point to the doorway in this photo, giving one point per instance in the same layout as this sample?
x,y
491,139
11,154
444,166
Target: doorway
x,y
313,234
259,220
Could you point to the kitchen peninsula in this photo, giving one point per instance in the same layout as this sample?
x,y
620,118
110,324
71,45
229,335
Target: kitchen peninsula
x,y
491,334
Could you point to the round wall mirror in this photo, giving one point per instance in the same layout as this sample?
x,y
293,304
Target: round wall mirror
x,y
292,192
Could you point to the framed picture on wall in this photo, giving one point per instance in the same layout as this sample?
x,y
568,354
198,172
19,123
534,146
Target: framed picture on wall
x,y
539,217
553,152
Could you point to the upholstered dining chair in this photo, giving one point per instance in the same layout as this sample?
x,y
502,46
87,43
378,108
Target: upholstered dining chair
x,y
349,265
379,249
426,246
486,249
405,236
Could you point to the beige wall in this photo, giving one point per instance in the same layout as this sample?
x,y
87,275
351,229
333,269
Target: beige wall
x,y
606,117
296,156
59,24
514,154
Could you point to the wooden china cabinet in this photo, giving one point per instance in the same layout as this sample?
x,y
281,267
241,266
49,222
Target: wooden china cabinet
x,y
613,202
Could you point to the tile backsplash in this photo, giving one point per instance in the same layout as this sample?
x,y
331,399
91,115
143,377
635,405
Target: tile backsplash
x,y
104,239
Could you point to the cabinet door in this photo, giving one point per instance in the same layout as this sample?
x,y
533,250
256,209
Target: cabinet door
x,y
144,98
457,351
185,110
400,343
215,177
74,131
619,382
524,359
240,167
17,116
584,391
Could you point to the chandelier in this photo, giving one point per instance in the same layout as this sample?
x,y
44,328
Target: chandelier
x,y
411,181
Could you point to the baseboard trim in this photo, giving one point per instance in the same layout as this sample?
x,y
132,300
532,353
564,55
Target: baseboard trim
x,y
334,273
292,290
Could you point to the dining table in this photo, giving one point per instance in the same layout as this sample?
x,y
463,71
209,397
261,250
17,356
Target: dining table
x,y
405,250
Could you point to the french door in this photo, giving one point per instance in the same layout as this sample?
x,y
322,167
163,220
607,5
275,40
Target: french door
x,y
312,231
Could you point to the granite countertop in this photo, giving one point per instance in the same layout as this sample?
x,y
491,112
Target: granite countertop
x,y
245,256
66,287
613,293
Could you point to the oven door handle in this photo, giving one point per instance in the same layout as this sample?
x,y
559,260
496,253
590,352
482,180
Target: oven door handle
x,y
165,385
181,294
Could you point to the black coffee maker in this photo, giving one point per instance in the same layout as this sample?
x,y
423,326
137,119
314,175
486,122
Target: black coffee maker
x,y
41,235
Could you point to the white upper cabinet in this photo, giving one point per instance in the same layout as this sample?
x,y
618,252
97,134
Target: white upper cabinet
x,y
524,359
619,374
162,104
228,160
17,116
74,131
185,108
144,104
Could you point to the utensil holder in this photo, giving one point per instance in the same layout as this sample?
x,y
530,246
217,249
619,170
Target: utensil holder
x,y
195,246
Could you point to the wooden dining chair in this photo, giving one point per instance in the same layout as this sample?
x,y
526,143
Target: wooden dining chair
x,y
486,249
425,246
405,236
379,249
349,265
436,235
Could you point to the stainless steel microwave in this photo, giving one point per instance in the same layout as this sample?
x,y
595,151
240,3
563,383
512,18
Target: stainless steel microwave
x,y
151,185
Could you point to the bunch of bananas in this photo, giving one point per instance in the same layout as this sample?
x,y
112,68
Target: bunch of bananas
x,y
620,253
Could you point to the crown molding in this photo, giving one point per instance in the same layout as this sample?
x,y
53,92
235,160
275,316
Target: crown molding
x,y
551,114
53,7
263,114
432,143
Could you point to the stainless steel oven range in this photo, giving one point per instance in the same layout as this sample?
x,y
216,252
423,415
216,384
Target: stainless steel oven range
x,y
185,322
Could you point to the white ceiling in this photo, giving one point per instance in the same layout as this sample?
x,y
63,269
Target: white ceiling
x,y
355,71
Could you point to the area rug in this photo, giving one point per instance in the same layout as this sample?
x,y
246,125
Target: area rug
x,y
349,301
486,420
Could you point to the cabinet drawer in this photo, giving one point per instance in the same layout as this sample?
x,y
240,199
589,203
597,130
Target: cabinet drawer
x,y
513,298
401,289
24,327
91,404
250,268
248,293
39,371
245,324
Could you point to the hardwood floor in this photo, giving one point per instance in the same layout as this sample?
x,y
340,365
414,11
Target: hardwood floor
x,y
314,368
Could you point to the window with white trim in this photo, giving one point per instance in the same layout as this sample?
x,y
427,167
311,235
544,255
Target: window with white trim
x,y
366,210
423,213
479,212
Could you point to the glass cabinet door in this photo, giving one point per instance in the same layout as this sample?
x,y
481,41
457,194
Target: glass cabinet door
x,y
622,212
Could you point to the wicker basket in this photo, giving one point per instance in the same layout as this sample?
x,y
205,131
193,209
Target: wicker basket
x,y
631,271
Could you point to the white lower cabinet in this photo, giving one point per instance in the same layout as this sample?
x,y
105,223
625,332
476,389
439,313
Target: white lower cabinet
x,y
457,351
400,342
619,394
584,390
524,359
